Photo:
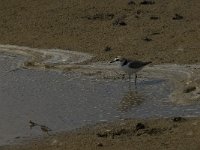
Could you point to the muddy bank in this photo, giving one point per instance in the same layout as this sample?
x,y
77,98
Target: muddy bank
x,y
172,133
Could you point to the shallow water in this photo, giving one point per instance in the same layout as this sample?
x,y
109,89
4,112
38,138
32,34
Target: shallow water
x,y
64,101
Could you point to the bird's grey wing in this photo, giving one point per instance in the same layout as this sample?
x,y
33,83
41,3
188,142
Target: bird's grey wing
x,y
137,64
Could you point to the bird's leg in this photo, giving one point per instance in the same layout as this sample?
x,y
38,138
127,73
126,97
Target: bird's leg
x,y
48,133
135,79
129,81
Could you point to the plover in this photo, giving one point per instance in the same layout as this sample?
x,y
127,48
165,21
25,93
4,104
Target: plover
x,y
45,129
32,124
130,66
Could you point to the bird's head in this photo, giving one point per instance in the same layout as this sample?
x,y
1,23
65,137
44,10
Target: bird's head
x,y
118,58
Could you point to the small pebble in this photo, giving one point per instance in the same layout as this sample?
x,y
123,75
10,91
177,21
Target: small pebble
x,y
154,18
119,22
131,3
189,89
108,48
99,144
147,2
140,126
177,17
178,119
147,39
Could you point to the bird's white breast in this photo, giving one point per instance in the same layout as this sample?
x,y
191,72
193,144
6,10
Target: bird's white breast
x,y
128,70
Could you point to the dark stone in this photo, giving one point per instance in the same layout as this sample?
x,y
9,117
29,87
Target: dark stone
x,y
138,12
131,3
119,22
100,16
178,119
189,89
177,17
140,126
136,16
102,135
29,64
147,39
155,33
147,2
154,18
99,144
122,23
108,48
112,134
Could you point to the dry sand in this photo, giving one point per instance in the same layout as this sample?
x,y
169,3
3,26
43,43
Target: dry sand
x,y
163,32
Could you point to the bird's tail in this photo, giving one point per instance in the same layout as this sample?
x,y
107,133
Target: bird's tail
x,y
146,63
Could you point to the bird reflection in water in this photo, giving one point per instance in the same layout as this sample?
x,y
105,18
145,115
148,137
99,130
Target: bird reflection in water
x,y
130,99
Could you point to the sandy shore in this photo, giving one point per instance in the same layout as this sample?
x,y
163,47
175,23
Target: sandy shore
x,y
172,133
160,31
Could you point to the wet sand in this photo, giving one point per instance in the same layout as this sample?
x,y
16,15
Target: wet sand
x,y
171,133
163,32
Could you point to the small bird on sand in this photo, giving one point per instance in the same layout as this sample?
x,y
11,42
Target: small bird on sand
x,y
33,124
130,66
45,129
